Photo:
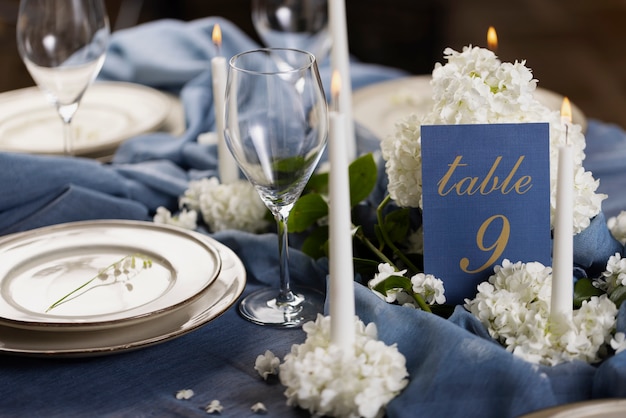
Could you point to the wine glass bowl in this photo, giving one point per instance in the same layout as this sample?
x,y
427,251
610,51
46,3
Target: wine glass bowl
x,y
63,45
296,24
276,128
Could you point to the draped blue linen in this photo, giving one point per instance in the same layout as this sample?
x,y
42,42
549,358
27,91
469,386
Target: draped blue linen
x,y
455,368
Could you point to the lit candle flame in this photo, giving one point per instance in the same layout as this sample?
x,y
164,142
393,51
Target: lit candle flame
x,y
217,36
566,116
566,110
335,88
492,39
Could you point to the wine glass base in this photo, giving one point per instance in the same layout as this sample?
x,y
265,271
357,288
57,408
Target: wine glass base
x,y
261,308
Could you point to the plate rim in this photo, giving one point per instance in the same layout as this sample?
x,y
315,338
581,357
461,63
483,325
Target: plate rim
x,y
234,279
115,322
565,410
166,104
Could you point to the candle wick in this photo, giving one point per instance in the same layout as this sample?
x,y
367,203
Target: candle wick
x,y
566,133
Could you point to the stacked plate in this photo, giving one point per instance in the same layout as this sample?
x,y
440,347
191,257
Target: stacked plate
x,y
109,113
66,291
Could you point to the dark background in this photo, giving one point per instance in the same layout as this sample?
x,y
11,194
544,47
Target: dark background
x,y
575,47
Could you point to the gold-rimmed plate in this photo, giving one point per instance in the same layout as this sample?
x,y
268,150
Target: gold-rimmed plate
x,y
602,408
42,266
209,305
109,113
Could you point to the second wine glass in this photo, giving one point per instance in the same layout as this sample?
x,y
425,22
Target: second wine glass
x,y
276,128
298,24
63,45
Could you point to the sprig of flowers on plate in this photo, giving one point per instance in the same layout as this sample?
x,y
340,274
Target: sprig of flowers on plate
x,y
325,380
120,271
222,206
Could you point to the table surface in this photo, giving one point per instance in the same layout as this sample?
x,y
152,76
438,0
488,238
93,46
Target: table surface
x,y
217,360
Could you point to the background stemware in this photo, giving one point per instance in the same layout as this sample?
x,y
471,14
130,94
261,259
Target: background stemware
x,y
276,128
296,24
63,45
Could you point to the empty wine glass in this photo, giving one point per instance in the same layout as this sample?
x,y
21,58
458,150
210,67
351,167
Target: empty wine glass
x,y
63,45
276,128
297,24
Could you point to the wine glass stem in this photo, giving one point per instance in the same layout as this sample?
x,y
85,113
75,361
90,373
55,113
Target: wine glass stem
x,y
285,296
68,138
66,112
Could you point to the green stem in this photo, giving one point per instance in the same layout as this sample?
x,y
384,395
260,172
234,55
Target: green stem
x,y
418,298
387,240
421,302
361,236
147,262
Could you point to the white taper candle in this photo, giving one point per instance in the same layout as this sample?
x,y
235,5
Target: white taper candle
x,y
341,290
563,241
227,168
340,61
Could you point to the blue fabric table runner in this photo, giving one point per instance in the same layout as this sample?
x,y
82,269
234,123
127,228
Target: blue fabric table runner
x,y
455,369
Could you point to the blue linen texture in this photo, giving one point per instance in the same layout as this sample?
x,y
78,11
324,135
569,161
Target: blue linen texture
x,y
455,368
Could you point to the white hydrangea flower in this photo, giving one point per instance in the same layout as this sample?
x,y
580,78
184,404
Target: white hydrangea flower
x,y
226,206
259,408
514,305
615,273
184,394
385,270
185,219
618,343
475,87
323,379
617,226
266,364
430,287
426,285
214,407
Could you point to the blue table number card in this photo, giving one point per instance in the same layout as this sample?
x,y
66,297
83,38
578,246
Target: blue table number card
x,y
486,198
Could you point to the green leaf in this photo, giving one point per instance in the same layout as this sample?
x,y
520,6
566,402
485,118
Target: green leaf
x,y
318,183
618,296
394,282
316,243
584,290
363,173
289,165
396,224
306,212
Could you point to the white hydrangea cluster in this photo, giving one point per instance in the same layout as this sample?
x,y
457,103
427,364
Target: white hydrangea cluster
x,y
187,219
326,381
514,306
226,206
474,87
615,273
430,287
617,226
426,285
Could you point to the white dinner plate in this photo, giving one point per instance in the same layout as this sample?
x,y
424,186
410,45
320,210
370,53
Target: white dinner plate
x,y
379,106
210,304
41,266
606,408
109,113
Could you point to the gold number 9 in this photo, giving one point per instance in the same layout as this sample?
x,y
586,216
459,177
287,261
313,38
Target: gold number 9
x,y
497,247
